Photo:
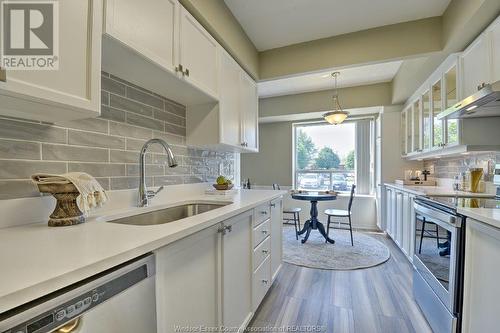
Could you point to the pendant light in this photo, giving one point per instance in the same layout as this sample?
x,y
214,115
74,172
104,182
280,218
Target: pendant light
x,y
337,116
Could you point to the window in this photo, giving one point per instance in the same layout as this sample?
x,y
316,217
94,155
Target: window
x,y
328,157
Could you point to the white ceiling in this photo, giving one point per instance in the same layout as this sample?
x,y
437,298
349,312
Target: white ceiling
x,y
275,23
349,77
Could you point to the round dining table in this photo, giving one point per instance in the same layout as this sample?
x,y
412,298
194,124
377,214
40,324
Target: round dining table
x,y
313,223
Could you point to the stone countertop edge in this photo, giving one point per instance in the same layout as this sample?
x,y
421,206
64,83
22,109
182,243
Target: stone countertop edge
x,y
37,260
437,191
490,216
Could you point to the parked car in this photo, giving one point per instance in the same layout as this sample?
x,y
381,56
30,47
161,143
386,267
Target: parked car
x,y
309,181
339,182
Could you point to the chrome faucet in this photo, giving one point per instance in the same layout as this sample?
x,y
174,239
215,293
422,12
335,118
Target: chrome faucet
x,y
144,194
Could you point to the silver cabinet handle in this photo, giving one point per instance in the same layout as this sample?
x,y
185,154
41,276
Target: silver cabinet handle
x,y
264,212
273,205
3,75
265,232
224,229
186,72
179,69
265,281
265,251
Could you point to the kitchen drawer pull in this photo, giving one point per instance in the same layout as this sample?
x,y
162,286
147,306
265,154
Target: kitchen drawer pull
x,y
264,212
264,232
273,205
265,251
265,281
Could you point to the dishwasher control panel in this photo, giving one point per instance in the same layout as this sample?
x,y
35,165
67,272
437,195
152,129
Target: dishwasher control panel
x,y
67,310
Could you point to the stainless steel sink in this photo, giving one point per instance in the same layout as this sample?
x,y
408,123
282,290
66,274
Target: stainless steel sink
x,y
170,214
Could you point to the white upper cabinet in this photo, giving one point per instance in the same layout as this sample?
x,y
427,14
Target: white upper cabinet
x,y
229,102
150,29
198,54
495,50
73,91
159,46
249,112
475,66
232,124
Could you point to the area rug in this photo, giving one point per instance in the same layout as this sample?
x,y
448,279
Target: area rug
x,y
315,253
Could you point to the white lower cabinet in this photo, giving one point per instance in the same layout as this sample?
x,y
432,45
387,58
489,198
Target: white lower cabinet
x,y
276,236
400,219
218,276
481,289
187,282
237,272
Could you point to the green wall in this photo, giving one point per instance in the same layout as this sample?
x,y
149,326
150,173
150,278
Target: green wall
x,y
273,162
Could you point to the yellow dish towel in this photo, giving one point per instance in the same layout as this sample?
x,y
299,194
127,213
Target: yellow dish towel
x,y
91,192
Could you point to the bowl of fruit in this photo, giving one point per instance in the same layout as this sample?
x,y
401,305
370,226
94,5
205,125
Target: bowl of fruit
x,y
223,183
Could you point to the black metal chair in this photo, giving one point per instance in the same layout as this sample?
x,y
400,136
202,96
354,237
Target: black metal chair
x,y
341,213
292,215
430,233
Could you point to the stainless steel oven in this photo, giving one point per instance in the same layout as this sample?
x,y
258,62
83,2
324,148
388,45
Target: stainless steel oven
x,y
438,263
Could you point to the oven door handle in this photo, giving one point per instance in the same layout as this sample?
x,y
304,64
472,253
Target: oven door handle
x,y
435,214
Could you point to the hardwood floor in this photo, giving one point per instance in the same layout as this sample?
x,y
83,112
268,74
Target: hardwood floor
x,y
377,299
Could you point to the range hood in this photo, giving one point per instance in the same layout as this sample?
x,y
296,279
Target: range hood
x,y
484,103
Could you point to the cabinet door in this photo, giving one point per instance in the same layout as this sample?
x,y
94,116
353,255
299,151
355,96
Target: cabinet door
x,y
387,210
229,107
416,127
198,54
436,108
403,132
427,121
411,231
475,65
187,282
249,105
72,91
399,219
481,291
450,98
495,50
149,28
405,246
237,271
276,236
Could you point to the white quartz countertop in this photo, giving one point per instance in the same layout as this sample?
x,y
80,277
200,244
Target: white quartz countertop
x,y
36,259
437,191
490,216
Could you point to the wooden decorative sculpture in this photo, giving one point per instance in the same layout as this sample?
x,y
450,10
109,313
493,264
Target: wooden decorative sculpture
x,y
66,211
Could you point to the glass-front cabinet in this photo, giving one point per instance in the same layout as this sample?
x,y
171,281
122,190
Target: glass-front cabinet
x,y
450,99
437,107
403,131
427,120
416,127
425,133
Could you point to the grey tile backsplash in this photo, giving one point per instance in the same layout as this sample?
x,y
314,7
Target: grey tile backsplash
x,y
451,166
107,147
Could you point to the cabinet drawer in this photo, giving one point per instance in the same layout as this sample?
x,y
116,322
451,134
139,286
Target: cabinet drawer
x,y
260,233
262,213
261,252
261,282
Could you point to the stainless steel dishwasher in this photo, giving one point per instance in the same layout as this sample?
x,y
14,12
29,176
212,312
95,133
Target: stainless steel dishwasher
x,y
121,299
